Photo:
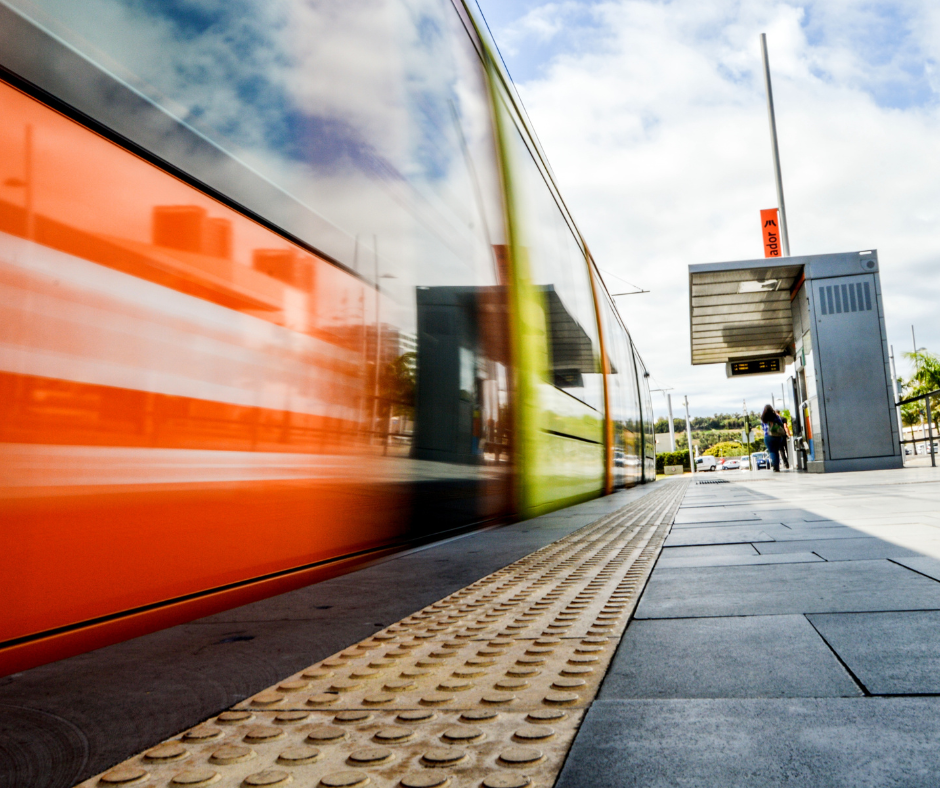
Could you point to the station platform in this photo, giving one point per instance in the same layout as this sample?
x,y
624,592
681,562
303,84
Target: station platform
x,y
788,634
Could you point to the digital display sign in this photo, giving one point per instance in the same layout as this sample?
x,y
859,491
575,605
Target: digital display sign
x,y
755,366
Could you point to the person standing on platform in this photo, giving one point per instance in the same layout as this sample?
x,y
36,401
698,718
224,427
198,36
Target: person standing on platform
x,y
784,453
775,433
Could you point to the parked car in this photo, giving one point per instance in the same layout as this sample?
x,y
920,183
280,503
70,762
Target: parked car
x,y
760,459
731,464
706,463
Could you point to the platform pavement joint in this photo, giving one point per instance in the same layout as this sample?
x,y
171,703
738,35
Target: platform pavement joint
x,y
486,687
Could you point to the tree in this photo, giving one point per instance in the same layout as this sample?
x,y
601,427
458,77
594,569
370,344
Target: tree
x,y
926,375
926,378
727,449
911,414
722,421
708,438
662,425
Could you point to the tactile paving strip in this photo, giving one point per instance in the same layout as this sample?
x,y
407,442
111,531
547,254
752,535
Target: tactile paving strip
x,y
484,688
452,674
390,748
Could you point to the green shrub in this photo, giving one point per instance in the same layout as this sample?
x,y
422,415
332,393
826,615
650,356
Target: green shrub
x,y
673,458
727,449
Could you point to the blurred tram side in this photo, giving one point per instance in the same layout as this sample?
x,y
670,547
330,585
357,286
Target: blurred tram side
x,y
271,308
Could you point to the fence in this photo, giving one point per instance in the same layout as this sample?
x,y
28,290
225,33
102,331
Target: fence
x,y
930,447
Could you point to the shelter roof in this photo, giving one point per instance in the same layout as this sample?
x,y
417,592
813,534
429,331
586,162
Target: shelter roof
x,y
741,310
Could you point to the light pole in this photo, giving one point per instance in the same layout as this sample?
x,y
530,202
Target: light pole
x,y
672,433
672,427
688,435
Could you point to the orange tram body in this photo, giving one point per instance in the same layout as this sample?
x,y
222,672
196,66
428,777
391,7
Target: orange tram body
x,y
283,287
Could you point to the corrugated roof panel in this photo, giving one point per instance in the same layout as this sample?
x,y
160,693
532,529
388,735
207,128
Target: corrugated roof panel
x,y
740,310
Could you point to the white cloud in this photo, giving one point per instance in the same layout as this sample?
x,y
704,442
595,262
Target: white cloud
x,y
542,23
656,128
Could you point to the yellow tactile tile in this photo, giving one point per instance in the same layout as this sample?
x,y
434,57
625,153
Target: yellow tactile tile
x,y
379,748
484,688
453,674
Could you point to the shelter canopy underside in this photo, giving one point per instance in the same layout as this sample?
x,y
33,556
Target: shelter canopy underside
x,y
740,310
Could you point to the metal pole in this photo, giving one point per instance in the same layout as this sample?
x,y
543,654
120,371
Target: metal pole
x,y
923,430
933,456
784,236
672,427
894,392
688,435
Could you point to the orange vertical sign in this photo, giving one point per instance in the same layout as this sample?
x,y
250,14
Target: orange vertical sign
x,y
771,230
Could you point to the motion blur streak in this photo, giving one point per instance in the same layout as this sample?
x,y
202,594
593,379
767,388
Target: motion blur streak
x,y
113,342
270,309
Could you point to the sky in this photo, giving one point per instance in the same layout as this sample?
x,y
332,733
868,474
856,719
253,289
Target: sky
x,y
653,116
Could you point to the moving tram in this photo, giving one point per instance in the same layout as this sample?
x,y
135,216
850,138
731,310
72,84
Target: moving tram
x,y
285,286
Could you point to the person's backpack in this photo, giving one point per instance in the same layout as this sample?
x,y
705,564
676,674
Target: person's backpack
x,y
777,430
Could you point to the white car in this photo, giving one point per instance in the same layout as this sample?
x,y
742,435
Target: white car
x,y
731,464
706,463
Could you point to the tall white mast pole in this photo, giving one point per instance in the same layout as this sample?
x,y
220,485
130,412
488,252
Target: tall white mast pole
x,y
784,236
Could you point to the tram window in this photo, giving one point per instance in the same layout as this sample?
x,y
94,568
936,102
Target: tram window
x,y
624,398
558,268
649,439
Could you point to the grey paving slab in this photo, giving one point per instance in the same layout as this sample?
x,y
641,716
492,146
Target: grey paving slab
x,y
709,549
810,531
797,515
842,586
706,536
741,657
775,530
683,519
890,653
755,523
922,563
666,563
881,521
847,549
784,534
757,743
823,523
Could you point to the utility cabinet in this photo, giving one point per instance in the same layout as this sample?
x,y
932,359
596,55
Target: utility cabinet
x,y
842,366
